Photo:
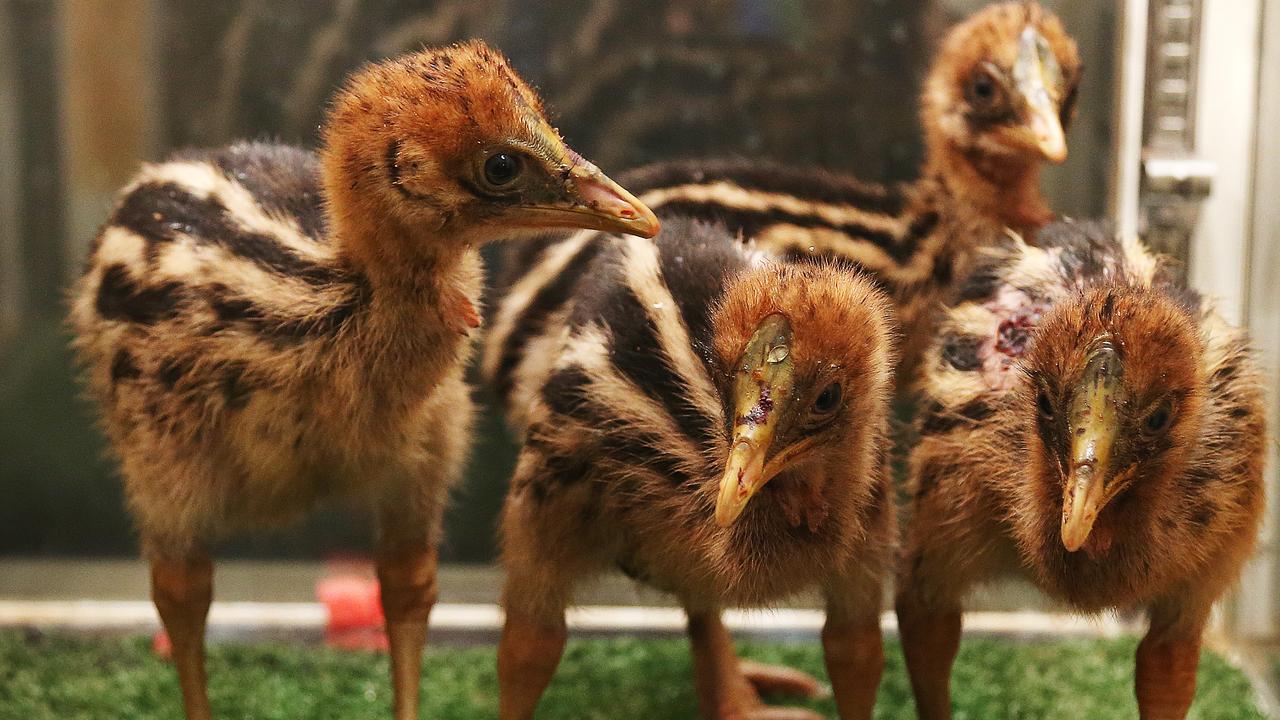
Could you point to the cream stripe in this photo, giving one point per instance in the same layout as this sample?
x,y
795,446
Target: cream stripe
x,y
780,238
739,198
644,280
517,298
206,181
588,350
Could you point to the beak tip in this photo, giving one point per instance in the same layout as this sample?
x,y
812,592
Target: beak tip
x,y
650,227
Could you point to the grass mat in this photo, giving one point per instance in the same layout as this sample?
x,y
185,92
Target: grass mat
x,y
43,677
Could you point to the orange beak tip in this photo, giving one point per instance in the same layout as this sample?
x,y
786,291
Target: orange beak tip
x,y
608,199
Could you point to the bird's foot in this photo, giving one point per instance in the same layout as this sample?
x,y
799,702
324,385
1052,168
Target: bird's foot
x,y
770,680
782,680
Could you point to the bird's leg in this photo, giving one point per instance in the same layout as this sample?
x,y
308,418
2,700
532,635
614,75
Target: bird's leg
x,y
182,590
407,579
930,641
535,597
408,512
528,654
1167,660
930,584
724,692
853,647
950,546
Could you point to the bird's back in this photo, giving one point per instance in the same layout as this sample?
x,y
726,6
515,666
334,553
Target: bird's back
x,y
911,241
639,329
212,279
995,311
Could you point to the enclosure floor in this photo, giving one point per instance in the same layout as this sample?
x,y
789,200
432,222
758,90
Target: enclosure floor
x,y
43,677
292,581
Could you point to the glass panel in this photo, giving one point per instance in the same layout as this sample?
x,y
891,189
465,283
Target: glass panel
x,y
827,82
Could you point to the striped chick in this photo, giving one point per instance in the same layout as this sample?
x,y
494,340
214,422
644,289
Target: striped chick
x,y
1093,425
994,107
263,328
715,426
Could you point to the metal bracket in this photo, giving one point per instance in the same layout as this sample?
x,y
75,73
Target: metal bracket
x,y
1174,180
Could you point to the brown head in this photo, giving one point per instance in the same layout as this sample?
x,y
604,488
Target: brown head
x,y
450,146
1000,95
806,358
1113,399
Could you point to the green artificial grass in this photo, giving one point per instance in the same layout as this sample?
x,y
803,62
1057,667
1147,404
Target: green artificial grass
x,y
43,677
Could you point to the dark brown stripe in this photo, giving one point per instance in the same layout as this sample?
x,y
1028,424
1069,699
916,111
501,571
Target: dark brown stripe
x,y
160,213
961,351
810,184
752,223
937,419
120,298
566,393
532,322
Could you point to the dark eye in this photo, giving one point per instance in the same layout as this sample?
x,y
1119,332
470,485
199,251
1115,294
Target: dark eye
x,y
1044,405
501,169
1159,419
828,400
984,90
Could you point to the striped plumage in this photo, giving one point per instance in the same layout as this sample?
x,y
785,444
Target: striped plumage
x,y
628,434
993,110
1089,423
263,327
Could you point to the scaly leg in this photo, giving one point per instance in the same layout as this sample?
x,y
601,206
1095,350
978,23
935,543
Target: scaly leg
x,y
528,655
1167,661
851,641
407,578
952,544
182,590
541,572
854,654
724,693
930,641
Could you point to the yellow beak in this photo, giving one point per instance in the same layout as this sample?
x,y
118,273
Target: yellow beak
x,y
1034,72
594,202
1093,423
761,393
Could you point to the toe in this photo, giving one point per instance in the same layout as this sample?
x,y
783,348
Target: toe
x,y
781,680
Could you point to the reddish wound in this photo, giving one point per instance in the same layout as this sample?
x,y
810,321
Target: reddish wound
x,y
463,318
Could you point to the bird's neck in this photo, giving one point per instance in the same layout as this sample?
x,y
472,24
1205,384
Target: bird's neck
x,y
416,275
423,292
1002,189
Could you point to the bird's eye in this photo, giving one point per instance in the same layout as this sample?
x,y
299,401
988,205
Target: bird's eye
x,y
502,169
1044,405
828,401
1159,419
983,90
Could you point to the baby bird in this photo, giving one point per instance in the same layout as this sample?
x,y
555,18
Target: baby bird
x,y
994,108
995,103
262,329
715,426
1090,423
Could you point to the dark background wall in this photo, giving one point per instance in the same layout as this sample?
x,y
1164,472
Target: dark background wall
x,y
91,87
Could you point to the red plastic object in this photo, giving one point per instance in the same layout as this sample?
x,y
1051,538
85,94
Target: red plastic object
x,y
161,645
355,618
